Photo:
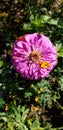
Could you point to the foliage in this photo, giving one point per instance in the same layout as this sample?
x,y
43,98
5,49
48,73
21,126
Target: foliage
x,y
26,104
14,119
2,103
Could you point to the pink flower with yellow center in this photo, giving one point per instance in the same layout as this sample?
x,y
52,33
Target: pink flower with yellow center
x,y
34,56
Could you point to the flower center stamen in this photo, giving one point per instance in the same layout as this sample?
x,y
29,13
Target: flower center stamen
x,y
34,56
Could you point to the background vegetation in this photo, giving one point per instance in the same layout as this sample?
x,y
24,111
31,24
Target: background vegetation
x,y
25,104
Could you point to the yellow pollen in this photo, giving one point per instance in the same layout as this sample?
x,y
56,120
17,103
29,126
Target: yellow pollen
x,y
44,64
34,56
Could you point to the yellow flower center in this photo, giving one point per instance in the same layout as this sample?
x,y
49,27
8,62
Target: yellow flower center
x,y
44,64
34,56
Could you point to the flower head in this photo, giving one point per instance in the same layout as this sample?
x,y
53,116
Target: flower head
x,y
34,56
36,108
6,107
36,99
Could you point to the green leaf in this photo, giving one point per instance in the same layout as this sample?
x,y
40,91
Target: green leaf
x,y
60,22
1,63
28,94
53,21
58,47
35,124
10,126
38,128
59,50
37,23
21,1
4,119
45,18
2,103
27,26
61,82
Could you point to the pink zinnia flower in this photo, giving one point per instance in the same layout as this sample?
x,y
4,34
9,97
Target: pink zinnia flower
x,y
34,56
